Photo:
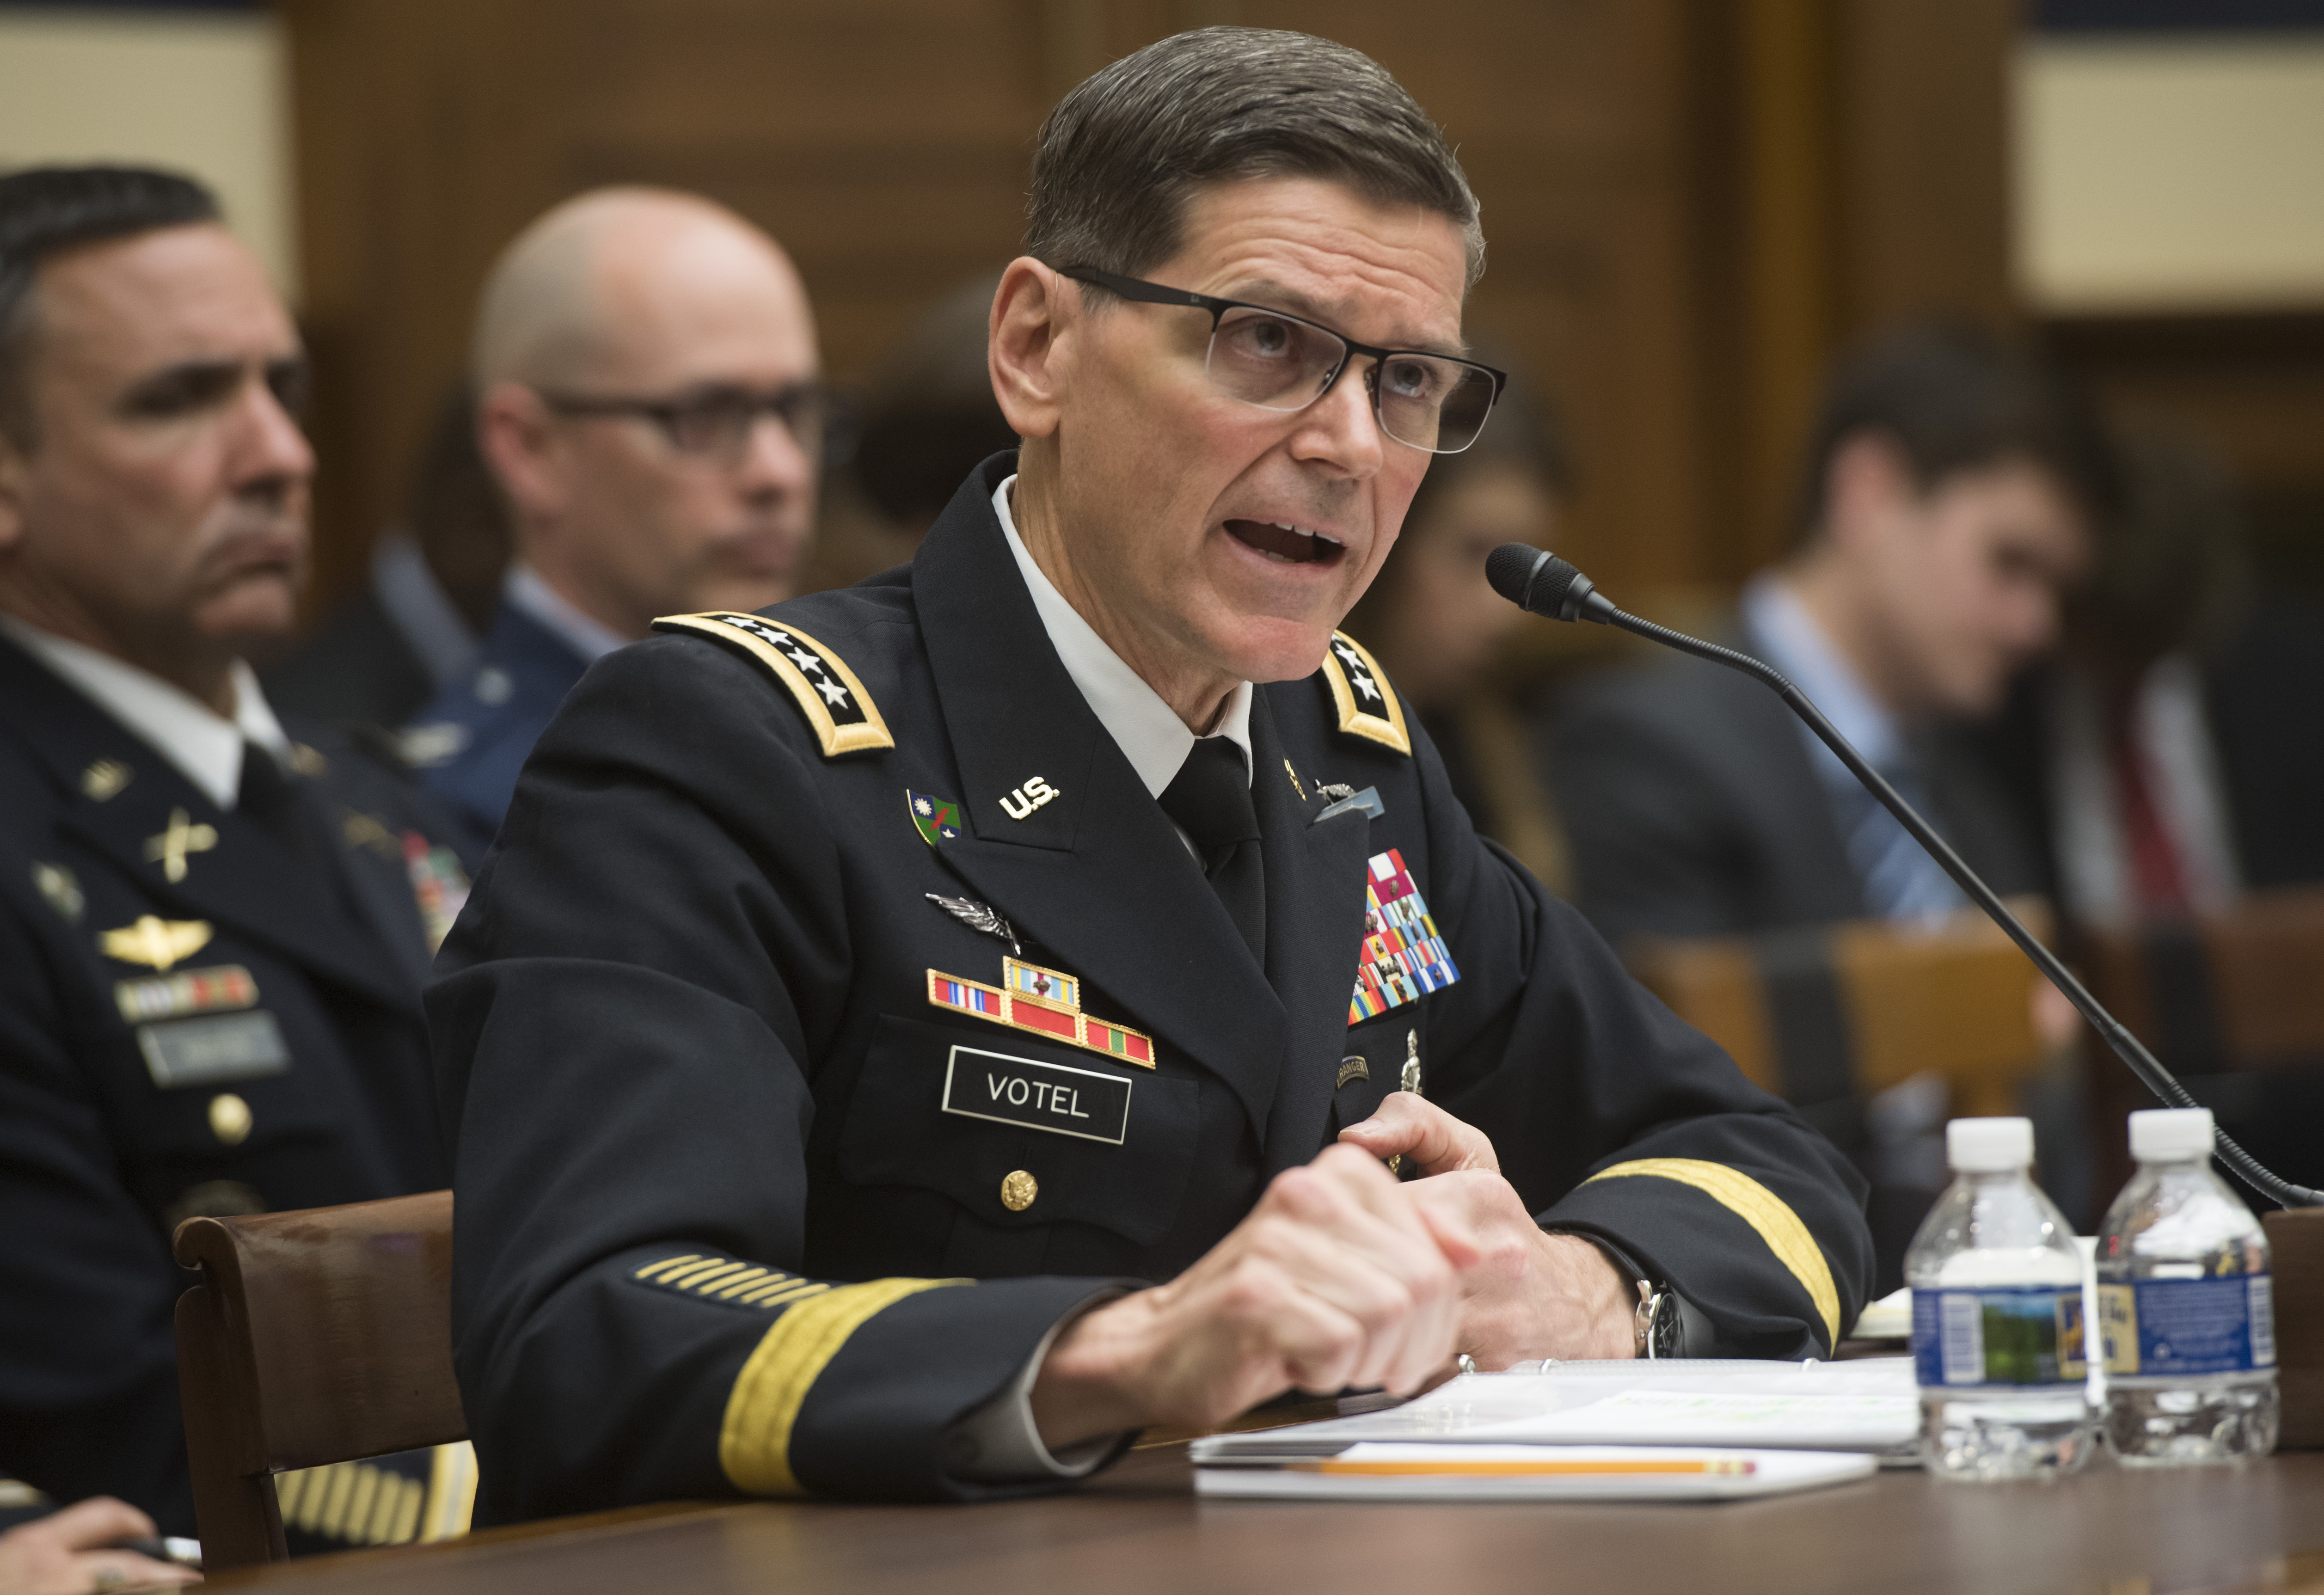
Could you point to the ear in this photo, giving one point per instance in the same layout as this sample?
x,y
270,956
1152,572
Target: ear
x,y
1032,313
15,492
1867,484
513,435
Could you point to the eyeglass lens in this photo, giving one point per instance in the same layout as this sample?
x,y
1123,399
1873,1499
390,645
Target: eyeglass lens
x,y
1280,363
720,424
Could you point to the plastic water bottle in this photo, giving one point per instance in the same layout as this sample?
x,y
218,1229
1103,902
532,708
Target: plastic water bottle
x,y
1997,1328
2185,1306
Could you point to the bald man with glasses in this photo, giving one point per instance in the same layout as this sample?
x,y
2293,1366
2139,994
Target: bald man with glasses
x,y
648,403
911,1037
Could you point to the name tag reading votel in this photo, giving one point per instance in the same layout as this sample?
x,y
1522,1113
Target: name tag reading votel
x,y
1032,1095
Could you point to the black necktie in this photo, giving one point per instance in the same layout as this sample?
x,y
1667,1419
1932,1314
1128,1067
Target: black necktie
x,y
1210,796
269,799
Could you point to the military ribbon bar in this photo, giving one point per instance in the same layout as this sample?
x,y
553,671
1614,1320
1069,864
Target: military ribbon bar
x,y
1403,958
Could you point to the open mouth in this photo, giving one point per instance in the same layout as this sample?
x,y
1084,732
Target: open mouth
x,y
1287,544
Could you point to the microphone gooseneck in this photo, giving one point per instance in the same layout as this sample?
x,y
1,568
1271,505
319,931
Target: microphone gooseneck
x,y
1539,581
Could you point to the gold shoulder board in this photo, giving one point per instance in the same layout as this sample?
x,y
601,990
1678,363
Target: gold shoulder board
x,y
1367,703
844,718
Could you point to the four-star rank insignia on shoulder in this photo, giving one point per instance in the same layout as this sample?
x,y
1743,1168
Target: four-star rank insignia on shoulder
x,y
1403,956
1366,703
937,819
1045,1001
844,719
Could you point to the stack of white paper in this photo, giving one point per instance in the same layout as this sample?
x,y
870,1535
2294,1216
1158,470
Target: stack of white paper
x,y
1560,1413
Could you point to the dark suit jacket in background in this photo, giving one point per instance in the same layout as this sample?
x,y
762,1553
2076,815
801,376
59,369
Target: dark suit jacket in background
x,y
1694,809
97,1159
357,668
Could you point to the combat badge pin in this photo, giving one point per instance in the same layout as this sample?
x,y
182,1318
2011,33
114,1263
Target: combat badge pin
x,y
155,941
1403,956
978,915
1044,1002
170,848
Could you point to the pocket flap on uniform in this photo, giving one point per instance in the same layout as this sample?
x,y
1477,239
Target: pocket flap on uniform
x,y
1020,1133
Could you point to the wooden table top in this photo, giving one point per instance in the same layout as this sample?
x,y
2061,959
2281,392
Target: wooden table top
x,y
1139,1528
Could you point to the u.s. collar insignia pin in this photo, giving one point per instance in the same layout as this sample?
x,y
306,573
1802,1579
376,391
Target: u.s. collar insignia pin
x,y
937,819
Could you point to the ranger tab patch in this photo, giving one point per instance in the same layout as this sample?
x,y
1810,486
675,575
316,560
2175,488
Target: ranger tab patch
x,y
844,718
1404,957
1366,703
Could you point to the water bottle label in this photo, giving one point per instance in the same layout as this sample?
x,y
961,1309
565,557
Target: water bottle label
x,y
2156,1328
2006,1335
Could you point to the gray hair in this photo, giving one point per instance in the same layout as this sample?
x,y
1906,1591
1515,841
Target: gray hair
x,y
1118,158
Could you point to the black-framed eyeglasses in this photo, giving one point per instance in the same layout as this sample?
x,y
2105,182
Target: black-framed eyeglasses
x,y
715,421
1279,361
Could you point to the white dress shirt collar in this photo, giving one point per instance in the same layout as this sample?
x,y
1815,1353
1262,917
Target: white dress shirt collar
x,y
1152,736
1791,642
524,591
204,745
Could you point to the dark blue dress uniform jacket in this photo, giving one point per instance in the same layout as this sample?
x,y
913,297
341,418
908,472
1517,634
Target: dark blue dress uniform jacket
x,y
718,1232
495,714
98,1160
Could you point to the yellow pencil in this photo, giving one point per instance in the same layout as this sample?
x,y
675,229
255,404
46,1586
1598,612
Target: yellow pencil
x,y
1699,1465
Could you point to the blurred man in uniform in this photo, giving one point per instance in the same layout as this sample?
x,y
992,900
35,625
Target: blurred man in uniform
x,y
899,1045
649,401
213,928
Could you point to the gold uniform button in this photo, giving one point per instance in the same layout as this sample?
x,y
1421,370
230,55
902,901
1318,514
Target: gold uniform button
x,y
230,1120
1018,1191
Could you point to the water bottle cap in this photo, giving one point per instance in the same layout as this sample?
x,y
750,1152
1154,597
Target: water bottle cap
x,y
2171,1133
1989,1145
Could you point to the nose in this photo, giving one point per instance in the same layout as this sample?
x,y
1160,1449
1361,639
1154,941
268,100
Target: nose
x,y
1341,429
774,461
271,452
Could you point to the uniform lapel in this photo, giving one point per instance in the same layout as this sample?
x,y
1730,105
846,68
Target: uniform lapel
x,y
1315,934
242,878
1097,874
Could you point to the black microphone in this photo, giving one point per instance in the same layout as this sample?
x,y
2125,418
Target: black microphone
x,y
1539,581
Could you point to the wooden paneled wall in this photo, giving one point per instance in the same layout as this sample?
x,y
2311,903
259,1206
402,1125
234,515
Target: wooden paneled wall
x,y
1689,202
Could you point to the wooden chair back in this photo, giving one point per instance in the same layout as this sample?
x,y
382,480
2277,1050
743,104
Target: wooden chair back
x,y
1854,1008
2233,993
315,1337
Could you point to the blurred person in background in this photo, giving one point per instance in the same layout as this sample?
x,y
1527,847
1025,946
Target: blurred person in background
x,y
2175,753
928,419
648,400
1950,500
1953,494
213,925
1436,626
2183,746
418,624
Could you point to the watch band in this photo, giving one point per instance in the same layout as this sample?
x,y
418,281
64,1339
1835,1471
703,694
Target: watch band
x,y
1659,1323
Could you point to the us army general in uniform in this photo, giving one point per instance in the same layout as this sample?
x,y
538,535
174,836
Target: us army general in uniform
x,y
912,1036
